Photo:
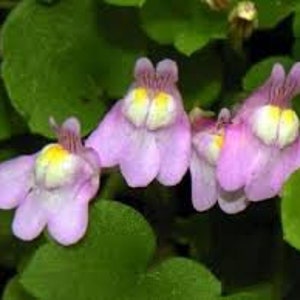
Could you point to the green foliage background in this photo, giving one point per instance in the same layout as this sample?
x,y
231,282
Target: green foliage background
x,y
75,57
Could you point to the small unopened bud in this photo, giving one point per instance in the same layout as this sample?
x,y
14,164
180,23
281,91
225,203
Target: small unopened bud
x,y
217,4
199,117
243,20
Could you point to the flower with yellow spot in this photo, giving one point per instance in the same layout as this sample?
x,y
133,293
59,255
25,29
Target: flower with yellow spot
x,y
207,144
53,187
147,133
262,145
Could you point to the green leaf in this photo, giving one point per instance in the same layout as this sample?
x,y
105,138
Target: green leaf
x,y
189,40
162,282
189,25
290,210
205,25
15,291
270,15
111,263
126,2
56,62
162,20
261,71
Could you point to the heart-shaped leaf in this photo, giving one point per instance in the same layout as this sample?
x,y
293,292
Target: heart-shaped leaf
x,y
189,25
56,62
112,262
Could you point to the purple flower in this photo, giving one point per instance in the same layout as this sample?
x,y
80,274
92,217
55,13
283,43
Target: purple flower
x,y
207,144
261,147
147,133
52,187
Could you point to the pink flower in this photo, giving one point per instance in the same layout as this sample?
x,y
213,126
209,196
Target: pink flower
x,y
52,187
147,133
261,147
207,144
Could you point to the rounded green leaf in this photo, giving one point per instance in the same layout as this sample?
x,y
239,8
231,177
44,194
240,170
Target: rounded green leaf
x,y
189,25
204,26
162,20
270,15
15,291
178,279
57,63
111,262
290,211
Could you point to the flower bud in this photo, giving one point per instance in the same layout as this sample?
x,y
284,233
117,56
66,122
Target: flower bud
x,y
243,20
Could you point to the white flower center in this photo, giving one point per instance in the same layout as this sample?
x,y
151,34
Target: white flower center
x,y
214,148
276,126
55,166
154,113
209,145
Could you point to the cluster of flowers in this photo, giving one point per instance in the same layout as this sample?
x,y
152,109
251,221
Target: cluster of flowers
x,y
239,157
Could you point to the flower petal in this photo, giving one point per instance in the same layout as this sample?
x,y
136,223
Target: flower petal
x,y
109,138
262,95
69,225
92,158
174,144
143,69
140,158
269,181
232,202
15,180
167,69
241,157
30,217
293,79
88,189
72,124
68,220
204,185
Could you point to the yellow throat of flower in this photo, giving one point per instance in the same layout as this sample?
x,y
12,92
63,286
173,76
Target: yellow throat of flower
x,y
214,147
218,141
274,125
55,166
154,112
53,154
